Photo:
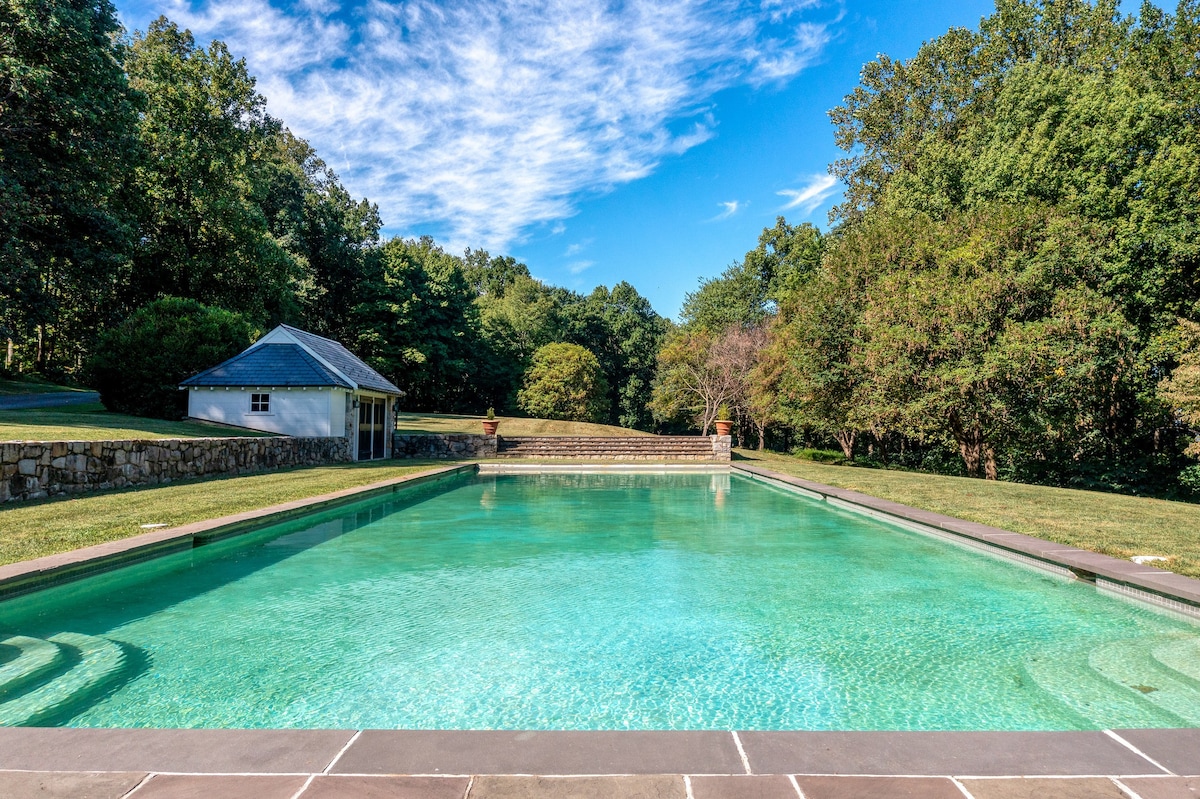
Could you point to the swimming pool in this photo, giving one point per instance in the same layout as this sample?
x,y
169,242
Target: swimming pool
x,y
592,601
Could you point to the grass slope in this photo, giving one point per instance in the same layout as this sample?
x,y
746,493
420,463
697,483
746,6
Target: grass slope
x,y
1113,524
31,530
92,423
32,386
509,426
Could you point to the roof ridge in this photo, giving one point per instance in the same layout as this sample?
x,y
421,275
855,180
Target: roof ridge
x,y
314,335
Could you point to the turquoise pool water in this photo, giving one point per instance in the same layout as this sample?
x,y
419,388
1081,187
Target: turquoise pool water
x,y
633,601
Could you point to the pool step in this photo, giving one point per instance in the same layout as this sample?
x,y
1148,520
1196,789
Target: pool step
x,y
98,662
1132,666
1181,658
1069,678
36,659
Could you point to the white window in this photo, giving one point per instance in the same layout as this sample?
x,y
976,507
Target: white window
x,y
260,403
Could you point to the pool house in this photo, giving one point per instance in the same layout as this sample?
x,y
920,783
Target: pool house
x,y
297,383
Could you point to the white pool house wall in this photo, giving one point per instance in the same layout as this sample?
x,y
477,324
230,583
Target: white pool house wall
x,y
294,411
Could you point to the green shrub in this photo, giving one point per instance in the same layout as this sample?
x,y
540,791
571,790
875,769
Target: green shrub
x,y
565,382
1189,479
139,364
820,455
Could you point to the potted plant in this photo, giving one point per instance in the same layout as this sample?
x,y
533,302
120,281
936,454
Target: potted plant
x,y
723,422
490,423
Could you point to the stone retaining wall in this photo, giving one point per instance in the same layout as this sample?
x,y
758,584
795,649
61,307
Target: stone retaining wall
x,y
40,469
443,445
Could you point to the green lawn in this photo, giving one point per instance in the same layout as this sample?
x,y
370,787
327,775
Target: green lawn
x,y
31,530
32,386
1114,524
509,426
92,423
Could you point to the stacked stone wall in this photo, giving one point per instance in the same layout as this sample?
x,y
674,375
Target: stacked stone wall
x,y
40,469
443,445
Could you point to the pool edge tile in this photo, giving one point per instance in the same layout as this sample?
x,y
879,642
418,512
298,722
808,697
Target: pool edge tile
x,y
170,750
549,753
1176,749
975,754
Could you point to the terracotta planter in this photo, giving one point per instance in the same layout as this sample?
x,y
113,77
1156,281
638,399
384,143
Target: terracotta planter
x,y
723,427
489,426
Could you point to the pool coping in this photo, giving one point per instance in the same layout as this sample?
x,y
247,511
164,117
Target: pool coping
x,y
33,575
1119,754
1165,589
338,757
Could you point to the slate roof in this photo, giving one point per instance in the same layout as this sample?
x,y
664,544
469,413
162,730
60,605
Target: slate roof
x,y
269,365
344,361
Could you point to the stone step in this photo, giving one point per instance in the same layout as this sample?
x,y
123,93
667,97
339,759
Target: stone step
x,y
607,448
99,663
661,448
35,659
581,451
1182,658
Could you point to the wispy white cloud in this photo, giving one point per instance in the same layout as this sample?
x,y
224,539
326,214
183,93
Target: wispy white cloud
x,y
728,209
577,247
486,117
578,267
807,198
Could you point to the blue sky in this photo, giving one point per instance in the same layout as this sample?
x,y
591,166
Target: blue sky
x,y
595,141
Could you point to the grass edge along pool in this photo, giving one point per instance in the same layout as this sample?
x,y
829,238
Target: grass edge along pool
x,y
592,601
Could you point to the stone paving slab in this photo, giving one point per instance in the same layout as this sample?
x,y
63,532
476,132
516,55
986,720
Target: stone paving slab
x,y
773,786
187,786
1164,787
1037,788
199,751
941,753
879,788
1177,750
649,787
547,753
68,785
387,788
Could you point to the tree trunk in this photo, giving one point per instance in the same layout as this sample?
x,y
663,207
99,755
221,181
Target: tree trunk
x,y
989,462
846,439
762,437
972,447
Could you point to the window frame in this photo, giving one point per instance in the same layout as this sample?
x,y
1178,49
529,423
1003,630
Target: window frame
x,y
260,403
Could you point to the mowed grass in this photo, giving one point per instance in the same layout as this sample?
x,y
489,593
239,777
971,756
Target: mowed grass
x,y
91,422
1113,524
509,426
31,530
32,386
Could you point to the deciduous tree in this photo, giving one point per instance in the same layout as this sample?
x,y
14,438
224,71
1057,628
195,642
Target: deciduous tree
x,y
565,381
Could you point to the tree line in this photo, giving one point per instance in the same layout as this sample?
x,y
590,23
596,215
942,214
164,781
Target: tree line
x,y
1011,285
144,185
1009,289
